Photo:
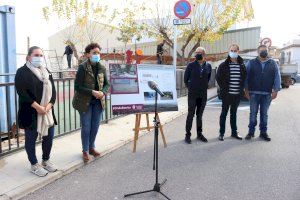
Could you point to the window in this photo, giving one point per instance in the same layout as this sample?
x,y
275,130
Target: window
x,y
289,57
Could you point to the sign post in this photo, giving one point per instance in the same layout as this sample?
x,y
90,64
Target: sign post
x,y
175,47
182,10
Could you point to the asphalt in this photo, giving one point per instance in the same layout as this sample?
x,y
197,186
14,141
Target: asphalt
x,y
229,170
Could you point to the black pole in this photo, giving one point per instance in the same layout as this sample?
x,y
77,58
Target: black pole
x,y
154,153
156,137
157,186
155,121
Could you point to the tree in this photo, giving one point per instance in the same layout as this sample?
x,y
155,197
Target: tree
x,y
129,27
210,19
80,18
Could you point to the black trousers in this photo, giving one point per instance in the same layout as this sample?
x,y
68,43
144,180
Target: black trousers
x,y
195,104
69,59
159,59
232,102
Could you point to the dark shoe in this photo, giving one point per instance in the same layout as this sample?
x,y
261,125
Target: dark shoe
x,y
249,136
94,153
201,138
265,137
85,157
236,136
188,140
221,137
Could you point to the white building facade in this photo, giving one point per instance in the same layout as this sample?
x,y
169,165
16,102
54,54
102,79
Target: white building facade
x,y
290,53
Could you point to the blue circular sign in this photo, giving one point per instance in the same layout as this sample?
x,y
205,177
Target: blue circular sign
x,y
182,9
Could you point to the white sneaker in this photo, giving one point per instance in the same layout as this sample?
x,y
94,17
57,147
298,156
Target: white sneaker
x,y
38,170
50,167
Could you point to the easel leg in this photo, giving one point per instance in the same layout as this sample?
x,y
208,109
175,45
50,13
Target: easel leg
x,y
136,131
148,123
162,132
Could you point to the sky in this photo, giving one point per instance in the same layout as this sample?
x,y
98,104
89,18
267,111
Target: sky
x,y
278,21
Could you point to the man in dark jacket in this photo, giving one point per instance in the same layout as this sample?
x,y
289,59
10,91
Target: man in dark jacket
x,y
262,85
231,76
196,78
69,53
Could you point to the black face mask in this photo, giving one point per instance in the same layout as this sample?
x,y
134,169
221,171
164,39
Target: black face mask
x,y
263,54
199,56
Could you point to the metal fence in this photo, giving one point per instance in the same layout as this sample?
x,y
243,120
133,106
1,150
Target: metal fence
x,y
12,137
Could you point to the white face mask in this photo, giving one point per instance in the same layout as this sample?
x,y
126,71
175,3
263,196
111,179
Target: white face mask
x,y
233,54
37,61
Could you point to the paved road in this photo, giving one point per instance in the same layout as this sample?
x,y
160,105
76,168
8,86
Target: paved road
x,y
232,169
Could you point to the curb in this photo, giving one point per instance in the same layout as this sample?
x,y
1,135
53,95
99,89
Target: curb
x,y
38,183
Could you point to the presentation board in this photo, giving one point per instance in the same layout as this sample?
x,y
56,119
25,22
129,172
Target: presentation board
x,y
130,92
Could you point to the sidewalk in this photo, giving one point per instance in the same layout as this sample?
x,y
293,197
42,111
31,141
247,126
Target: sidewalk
x,y
16,180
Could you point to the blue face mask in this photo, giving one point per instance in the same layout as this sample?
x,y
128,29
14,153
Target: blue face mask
x,y
36,61
95,58
233,54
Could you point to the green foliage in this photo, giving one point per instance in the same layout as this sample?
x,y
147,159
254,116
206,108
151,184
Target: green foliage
x,y
83,14
129,27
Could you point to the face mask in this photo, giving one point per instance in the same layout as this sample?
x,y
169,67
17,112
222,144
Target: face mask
x,y
37,61
263,54
95,58
233,55
199,56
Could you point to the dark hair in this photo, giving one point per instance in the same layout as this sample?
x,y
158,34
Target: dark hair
x,y
262,46
91,46
234,45
31,50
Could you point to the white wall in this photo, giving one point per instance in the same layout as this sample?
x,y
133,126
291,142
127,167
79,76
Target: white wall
x,y
105,37
295,56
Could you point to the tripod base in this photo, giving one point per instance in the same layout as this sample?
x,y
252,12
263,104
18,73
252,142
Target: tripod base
x,y
156,188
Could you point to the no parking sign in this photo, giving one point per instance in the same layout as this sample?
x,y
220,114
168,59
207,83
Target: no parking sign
x,y
182,9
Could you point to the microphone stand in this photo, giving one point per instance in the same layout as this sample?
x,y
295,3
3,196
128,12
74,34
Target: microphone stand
x,y
157,186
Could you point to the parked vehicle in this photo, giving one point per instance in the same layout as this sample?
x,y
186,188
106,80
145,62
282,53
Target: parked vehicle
x,y
295,78
287,71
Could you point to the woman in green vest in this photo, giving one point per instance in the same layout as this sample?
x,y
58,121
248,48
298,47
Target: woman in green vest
x,y
91,86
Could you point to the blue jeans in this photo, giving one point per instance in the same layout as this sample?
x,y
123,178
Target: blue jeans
x,y
261,102
90,122
30,139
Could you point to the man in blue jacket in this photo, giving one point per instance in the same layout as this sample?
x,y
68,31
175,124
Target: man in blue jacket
x,y
262,85
196,78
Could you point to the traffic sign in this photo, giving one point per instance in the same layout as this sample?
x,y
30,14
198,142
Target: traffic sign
x,y
182,21
182,9
267,42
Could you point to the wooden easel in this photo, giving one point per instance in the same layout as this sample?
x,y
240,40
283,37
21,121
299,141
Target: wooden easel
x,y
138,128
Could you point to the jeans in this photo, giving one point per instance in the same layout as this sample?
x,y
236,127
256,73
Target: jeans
x,y
30,139
90,122
69,59
198,104
261,102
232,102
